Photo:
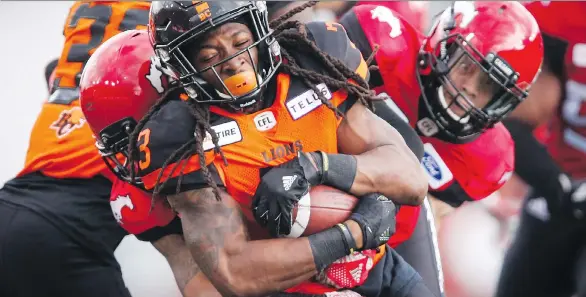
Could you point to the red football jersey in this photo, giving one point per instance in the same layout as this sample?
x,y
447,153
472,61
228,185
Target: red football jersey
x,y
562,19
567,132
415,13
477,168
567,143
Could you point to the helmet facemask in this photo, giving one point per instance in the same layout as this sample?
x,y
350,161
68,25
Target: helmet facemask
x,y
241,90
113,146
460,116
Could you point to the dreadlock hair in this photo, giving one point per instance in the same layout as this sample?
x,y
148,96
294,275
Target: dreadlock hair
x,y
289,35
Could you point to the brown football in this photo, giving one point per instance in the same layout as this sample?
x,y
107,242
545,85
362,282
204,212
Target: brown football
x,y
322,208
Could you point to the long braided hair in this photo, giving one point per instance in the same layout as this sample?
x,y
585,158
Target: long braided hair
x,y
289,35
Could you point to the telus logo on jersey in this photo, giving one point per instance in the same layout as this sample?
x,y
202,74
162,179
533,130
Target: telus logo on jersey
x,y
307,101
282,151
265,121
227,133
438,172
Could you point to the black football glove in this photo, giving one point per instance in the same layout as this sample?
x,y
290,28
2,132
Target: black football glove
x,y
280,189
375,214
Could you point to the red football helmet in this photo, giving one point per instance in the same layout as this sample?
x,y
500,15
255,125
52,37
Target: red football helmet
x,y
500,43
415,13
119,84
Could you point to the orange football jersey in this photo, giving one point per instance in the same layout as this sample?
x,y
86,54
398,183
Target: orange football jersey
x,y
61,143
296,120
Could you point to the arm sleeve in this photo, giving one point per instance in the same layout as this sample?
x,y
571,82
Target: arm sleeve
x,y
169,129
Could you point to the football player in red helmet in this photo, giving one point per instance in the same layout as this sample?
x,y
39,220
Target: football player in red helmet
x,y
113,100
236,72
453,86
548,254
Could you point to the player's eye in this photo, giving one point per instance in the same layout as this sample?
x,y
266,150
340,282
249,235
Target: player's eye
x,y
242,43
206,57
466,66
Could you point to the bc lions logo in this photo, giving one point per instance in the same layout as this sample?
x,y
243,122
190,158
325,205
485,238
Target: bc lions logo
x,y
68,121
431,166
118,204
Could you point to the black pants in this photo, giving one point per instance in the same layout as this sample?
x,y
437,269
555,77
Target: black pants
x,y
394,277
58,240
547,258
421,252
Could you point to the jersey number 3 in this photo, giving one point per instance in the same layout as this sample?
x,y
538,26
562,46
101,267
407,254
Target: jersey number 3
x,y
144,138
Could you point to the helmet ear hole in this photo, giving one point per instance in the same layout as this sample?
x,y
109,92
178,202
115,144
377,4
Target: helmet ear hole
x,y
423,60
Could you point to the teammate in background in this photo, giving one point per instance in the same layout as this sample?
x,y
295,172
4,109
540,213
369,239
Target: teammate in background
x,y
171,247
50,72
57,231
246,63
454,87
548,254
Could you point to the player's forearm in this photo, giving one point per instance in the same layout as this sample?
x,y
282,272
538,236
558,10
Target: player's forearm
x,y
384,162
267,266
393,171
187,274
251,268
215,235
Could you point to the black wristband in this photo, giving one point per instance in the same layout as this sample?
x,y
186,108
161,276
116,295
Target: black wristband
x,y
339,170
327,247
348,239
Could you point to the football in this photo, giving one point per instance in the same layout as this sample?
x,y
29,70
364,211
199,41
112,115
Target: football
x,y
322,208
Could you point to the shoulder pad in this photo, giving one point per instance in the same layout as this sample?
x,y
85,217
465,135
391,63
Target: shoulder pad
x,y
481,166
169,129
332,39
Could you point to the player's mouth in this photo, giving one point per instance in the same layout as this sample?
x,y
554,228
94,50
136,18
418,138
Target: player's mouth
x,y
454,109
